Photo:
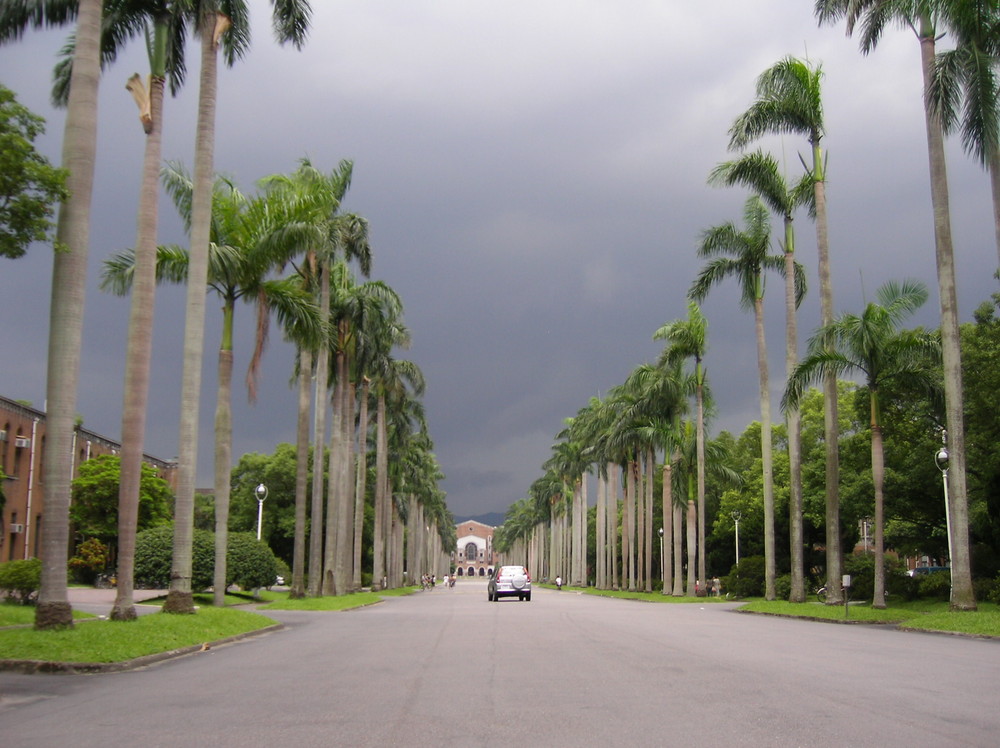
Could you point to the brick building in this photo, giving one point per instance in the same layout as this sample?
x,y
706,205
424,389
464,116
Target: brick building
x,y
473,555
22,438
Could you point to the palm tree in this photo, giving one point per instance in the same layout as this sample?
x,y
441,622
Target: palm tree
x,y
871,345
69,276
123,21
744,255
789,100
213,19
923,18
686,339
247,245
759,171
966,77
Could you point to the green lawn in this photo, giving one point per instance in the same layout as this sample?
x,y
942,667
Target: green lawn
x,y
12,614
103,641
921,615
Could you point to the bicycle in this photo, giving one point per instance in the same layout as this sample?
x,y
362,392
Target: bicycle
x,y
821,594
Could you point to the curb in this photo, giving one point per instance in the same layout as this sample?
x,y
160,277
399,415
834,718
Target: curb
x,y
29,667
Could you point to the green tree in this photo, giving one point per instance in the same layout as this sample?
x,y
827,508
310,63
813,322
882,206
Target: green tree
x,y
30,186
213,20
966,78
687,339
789,100
744,255
924,17
759,171
69,279
94,509
872,345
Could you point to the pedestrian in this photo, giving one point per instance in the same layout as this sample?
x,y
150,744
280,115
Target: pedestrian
x,y
558,583
716,587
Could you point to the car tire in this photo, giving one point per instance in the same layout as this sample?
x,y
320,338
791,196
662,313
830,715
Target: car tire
x,y
519,582
528,597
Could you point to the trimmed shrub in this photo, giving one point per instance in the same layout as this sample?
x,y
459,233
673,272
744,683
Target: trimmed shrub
x,y
783,587
91,559
20,580
936,585
746,578
154,556
249,562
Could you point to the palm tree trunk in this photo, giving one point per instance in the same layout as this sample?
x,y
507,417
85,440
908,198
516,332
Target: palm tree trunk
x,y
333,518
381,519
831,430
878,478
301,476
179,598
316,525
345,501
678,590
692,532
223,454
138,357
69,277
766,452
600,524
361,483
613,483
640,523
963,595
668,530
793,422
700,460
650,459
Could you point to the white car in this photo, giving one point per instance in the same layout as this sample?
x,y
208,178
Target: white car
x,y
509,581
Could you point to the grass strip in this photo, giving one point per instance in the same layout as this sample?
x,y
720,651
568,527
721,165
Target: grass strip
x,y
336,602
115,641
12,614
649,597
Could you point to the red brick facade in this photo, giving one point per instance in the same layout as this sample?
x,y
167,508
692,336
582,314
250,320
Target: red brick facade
x,y
22,438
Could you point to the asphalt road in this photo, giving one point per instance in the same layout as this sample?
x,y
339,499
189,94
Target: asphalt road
x,y
448,668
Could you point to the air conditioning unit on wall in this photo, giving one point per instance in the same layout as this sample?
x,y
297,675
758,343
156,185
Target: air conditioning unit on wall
x,y
22,441
3,435
16,527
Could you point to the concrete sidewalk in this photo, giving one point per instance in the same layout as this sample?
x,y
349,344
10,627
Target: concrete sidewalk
x,y
100,601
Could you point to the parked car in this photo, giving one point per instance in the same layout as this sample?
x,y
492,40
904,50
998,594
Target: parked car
x,y
509,581
920,570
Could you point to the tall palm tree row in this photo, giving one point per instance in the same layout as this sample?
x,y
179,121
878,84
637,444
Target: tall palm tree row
x,y
69,275
928,19
871,344
759,171
744,255
789,100
213,20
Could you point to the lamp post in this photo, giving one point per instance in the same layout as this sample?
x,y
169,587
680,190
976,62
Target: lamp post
x,y
737,515
941,460
663,564
261,492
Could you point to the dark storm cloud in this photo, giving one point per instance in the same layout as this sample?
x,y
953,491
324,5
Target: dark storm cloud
x,y
534,175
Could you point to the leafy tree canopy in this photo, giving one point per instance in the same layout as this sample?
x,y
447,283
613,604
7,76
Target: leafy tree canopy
x,y
30,187
94,509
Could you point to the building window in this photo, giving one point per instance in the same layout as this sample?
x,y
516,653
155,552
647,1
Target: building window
x,y
471,551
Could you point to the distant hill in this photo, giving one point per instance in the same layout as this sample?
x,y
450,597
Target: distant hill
x,y
493,519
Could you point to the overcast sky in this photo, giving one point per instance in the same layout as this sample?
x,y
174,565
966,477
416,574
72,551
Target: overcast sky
x,y
534,175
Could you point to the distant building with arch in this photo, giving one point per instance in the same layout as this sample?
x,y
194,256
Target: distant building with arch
x,y
473,555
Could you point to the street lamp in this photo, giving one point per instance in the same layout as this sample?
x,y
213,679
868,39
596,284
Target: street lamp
x,y
261,492
737,515
663,564
941,460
